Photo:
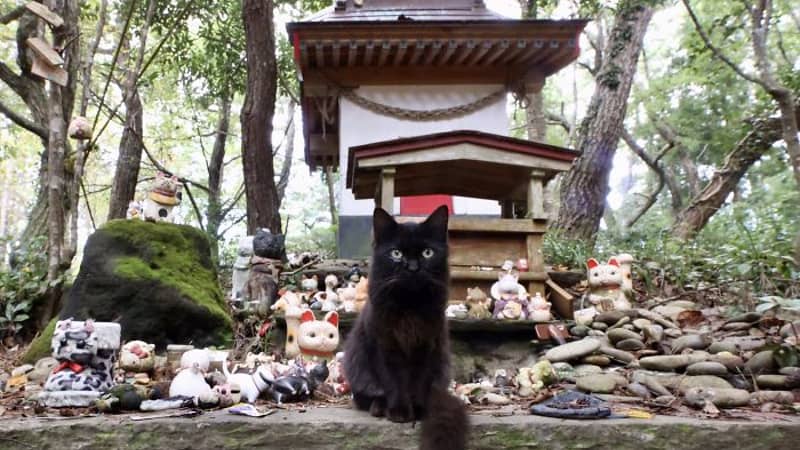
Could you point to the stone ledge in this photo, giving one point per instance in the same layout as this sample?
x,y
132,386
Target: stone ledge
x,y
340,428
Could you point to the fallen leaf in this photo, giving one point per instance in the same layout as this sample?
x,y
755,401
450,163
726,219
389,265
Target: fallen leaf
x,y
690,318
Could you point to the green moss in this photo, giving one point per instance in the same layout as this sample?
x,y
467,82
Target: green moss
x,y
40,347
168,253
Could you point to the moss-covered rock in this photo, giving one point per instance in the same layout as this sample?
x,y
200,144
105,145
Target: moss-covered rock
x,y
156,279
41,345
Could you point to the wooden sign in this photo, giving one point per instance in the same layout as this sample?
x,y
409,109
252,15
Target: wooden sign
x,y
45,14
55,74
44,51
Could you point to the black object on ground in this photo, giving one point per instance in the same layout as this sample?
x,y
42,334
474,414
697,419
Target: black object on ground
x,y
572,405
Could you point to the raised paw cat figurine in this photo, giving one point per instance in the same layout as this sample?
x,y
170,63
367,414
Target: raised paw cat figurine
x,y
605,286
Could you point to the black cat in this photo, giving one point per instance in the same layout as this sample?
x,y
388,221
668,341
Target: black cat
x,y
397,355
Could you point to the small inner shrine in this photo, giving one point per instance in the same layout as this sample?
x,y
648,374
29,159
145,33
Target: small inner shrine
x,y
407,100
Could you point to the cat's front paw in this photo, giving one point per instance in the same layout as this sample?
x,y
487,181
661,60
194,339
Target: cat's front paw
x,y
400,414
377,408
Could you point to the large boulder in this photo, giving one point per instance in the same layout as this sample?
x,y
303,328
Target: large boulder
x,y
156,279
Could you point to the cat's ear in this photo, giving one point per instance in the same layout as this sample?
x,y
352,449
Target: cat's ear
x,y
437,222
307,316
333,318
592,263
383,225
613,262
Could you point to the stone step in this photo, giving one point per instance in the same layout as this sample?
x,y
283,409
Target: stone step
x,y
342,428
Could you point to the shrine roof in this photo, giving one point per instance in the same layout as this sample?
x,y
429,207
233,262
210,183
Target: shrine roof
x,y
462,162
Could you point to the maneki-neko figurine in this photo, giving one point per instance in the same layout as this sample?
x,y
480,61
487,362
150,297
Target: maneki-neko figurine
x,y
539,309
162,199
605,285
510,298
318,339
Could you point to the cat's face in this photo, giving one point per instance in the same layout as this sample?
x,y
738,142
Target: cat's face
x,y
410,253
318,335
609,274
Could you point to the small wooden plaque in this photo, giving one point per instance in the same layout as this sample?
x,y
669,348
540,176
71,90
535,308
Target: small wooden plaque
x,y
44,51
55,74
45,14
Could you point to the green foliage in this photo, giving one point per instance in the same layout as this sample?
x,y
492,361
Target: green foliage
x,y
559,250
21,287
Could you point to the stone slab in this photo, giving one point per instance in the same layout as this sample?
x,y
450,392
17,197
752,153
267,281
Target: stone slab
x,y
342,428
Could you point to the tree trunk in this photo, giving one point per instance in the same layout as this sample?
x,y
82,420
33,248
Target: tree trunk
x,y
286,169
747,151
60,102
214,215
331,195
585,187
126,175
256,117
534,116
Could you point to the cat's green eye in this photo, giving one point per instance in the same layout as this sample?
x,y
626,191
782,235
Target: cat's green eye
x,y
396,254
427,253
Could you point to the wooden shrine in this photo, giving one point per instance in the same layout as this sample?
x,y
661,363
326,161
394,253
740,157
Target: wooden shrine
x,y
472,164
407,98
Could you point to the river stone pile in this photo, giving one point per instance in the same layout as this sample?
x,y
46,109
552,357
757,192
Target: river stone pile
x,y
677,350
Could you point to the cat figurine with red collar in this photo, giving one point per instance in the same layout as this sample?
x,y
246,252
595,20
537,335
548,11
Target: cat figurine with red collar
x,y
318,339
605,285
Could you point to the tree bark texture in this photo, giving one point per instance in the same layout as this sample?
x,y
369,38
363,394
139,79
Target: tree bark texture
x,y
764,133
257,113
585,186
288,154
126,174
216,167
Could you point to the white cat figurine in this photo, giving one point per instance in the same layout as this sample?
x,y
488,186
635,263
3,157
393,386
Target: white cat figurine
x,y
318,339
251,385
605,285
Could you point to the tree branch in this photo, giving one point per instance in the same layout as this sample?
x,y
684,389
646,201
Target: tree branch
x,y
560,120
24,122
653,165
717,52
12,15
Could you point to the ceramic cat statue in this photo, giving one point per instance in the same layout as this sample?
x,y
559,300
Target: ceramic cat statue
x,y
511,298
85,351
318,339
347,296
362,293
539,309
626,261
137,356
164,195
135,211
605,286
478,304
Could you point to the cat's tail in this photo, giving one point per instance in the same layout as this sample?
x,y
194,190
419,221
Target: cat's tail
x,y
446,426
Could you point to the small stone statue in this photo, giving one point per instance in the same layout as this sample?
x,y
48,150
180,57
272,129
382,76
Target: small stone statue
x,y
511,298
164,195
478,304
262,284
85,352
241,268
605,286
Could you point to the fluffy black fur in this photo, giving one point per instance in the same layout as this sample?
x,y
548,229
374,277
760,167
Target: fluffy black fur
x,y
397,355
